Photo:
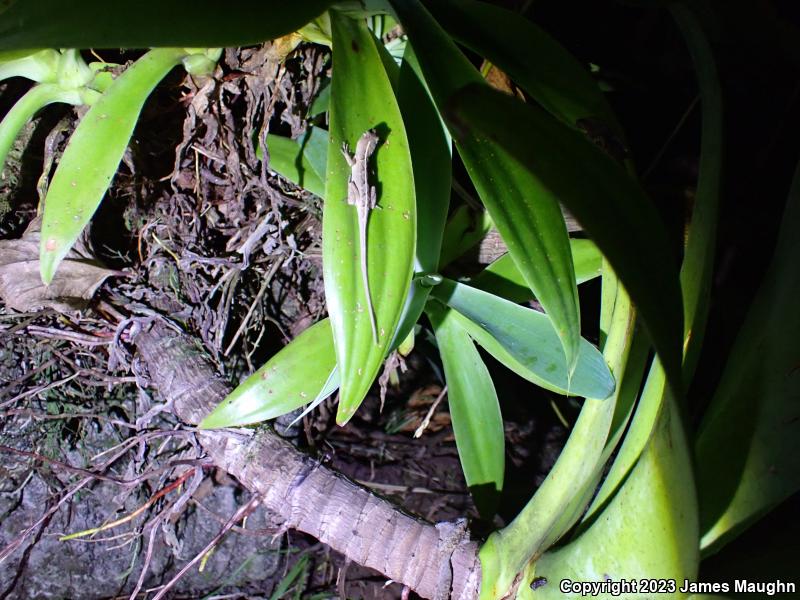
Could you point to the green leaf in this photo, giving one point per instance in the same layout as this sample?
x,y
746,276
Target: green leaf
x,y
609,204
40,66
568,488
525,341
529,221
748,444
464,230
766,552
697,265
362,99
698,260
93,154
293,377
146,23
301,161
474,410
431,157
647,530
533,59
298,572
39,96
502,278
638,435
331,385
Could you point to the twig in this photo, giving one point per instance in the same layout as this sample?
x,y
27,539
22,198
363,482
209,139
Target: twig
x,y
23,324
100,476
17,542
264,284
38,390
28,375
240,530
46,417
427,420
152,500
147,558
238,516
405,489
71,336
143,437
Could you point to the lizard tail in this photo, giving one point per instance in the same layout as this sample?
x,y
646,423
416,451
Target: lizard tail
x,y
370,308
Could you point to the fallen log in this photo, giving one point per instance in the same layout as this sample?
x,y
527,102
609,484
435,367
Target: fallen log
x,y
435,560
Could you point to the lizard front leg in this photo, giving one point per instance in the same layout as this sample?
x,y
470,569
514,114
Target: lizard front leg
x,y
347,156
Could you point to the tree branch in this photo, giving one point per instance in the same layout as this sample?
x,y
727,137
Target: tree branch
x,y
302,493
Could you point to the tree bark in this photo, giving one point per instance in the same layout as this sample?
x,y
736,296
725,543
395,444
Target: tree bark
x,y
302,493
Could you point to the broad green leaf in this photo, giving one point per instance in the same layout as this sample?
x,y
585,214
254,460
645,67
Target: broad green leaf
x,y
697,264
767,552
362,98
147,23
317,31
648,530
569,485
474,410
93,154
331,385
748,444
533,59
529,220
431,157
464,230
627,351
301,161
502,278
525,341
293,377
639,433
698,260
612,208
40,66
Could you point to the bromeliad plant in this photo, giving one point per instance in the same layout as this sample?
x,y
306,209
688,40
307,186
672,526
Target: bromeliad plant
x,y
59,77
524,160
95,149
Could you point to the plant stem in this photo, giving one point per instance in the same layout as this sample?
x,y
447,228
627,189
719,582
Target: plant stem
x,y
34,99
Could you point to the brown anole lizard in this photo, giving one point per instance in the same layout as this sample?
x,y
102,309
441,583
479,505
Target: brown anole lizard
x,y
363,196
